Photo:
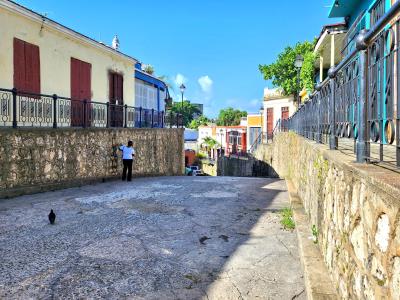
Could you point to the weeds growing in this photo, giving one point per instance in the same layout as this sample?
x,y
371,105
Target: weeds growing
x,y
287,219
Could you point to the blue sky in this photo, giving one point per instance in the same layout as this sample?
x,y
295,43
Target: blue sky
x,y
215,46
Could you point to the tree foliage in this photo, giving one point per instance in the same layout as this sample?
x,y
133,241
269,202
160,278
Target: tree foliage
x,y
188,110
210,142
148,69
200,121
283,72
230,117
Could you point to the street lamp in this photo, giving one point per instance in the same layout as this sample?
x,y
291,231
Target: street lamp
x,y
182,88
261,120
220,132
298,63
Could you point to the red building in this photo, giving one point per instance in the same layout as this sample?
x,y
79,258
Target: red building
x,y
236,140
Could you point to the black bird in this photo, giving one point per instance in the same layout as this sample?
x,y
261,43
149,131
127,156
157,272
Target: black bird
x,y
203,239
52,217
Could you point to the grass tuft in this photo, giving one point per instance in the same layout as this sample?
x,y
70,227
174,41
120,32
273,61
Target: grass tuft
x,y
287,219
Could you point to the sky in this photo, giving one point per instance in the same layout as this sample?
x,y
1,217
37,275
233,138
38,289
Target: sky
x,y
213,46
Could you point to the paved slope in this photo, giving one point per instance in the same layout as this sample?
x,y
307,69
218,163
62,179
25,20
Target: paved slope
x,y
154,238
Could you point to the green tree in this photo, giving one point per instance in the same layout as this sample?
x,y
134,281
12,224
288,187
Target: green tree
x,y
283,72
230,117
210,142
200,121
188,110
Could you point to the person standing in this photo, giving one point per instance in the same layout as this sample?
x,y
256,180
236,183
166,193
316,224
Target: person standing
x,y
128,153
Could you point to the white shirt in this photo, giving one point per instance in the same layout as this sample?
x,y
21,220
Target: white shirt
x,y
127,152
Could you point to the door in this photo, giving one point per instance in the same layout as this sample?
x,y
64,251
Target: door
x,y
80,90
270,122
255,137
116,87
284,113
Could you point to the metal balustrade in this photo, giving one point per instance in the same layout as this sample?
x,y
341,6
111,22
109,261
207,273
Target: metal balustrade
x,y
357,109
22,109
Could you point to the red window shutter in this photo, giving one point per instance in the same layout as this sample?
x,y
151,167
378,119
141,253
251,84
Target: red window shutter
x,y
36,69
32,68
19,64
111,86
75,79
121,88
85,84
26,67
116,83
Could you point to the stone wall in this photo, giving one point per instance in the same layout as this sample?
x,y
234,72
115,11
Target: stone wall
x,y
355,208
34,160
244,167
209,168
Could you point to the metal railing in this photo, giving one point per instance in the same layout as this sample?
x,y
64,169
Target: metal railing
x,y
265,138
22,109
357,109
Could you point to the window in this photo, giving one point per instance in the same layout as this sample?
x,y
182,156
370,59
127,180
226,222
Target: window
x,y
145,95
26,67
284,112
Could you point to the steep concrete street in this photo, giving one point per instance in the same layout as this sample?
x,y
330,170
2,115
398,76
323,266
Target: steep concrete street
x,y
153,238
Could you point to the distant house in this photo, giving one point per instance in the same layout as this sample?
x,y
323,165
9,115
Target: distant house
x,y
330,48
41,56
254,124
191,137
231,140
151,94
277,107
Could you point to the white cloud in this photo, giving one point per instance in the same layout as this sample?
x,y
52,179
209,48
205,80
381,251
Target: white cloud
x,y
206,84
179,79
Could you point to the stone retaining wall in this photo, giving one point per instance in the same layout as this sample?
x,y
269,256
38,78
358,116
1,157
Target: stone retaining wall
x,y
34,160
355,208
209,168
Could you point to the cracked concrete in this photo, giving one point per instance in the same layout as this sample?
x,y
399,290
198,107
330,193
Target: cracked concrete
x,y
141,240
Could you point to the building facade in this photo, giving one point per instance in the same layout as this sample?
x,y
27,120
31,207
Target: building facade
x,y
254,126
277,107
329,47
231,140
41,56
151,94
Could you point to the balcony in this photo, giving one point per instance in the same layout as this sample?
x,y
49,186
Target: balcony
x,y
22,109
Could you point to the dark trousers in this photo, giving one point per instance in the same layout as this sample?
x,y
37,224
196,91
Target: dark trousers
x,y
127,166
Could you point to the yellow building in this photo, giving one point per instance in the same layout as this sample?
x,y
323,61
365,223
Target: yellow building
x,y
41,56
254,127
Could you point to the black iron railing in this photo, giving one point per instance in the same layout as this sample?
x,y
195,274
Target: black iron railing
x,y
265,138
22,109
357,109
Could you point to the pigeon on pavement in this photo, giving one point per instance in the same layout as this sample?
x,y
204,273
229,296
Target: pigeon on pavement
x,y
52,217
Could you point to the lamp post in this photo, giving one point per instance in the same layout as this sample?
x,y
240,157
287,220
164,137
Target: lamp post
x,y
182,88
298,63
261,121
